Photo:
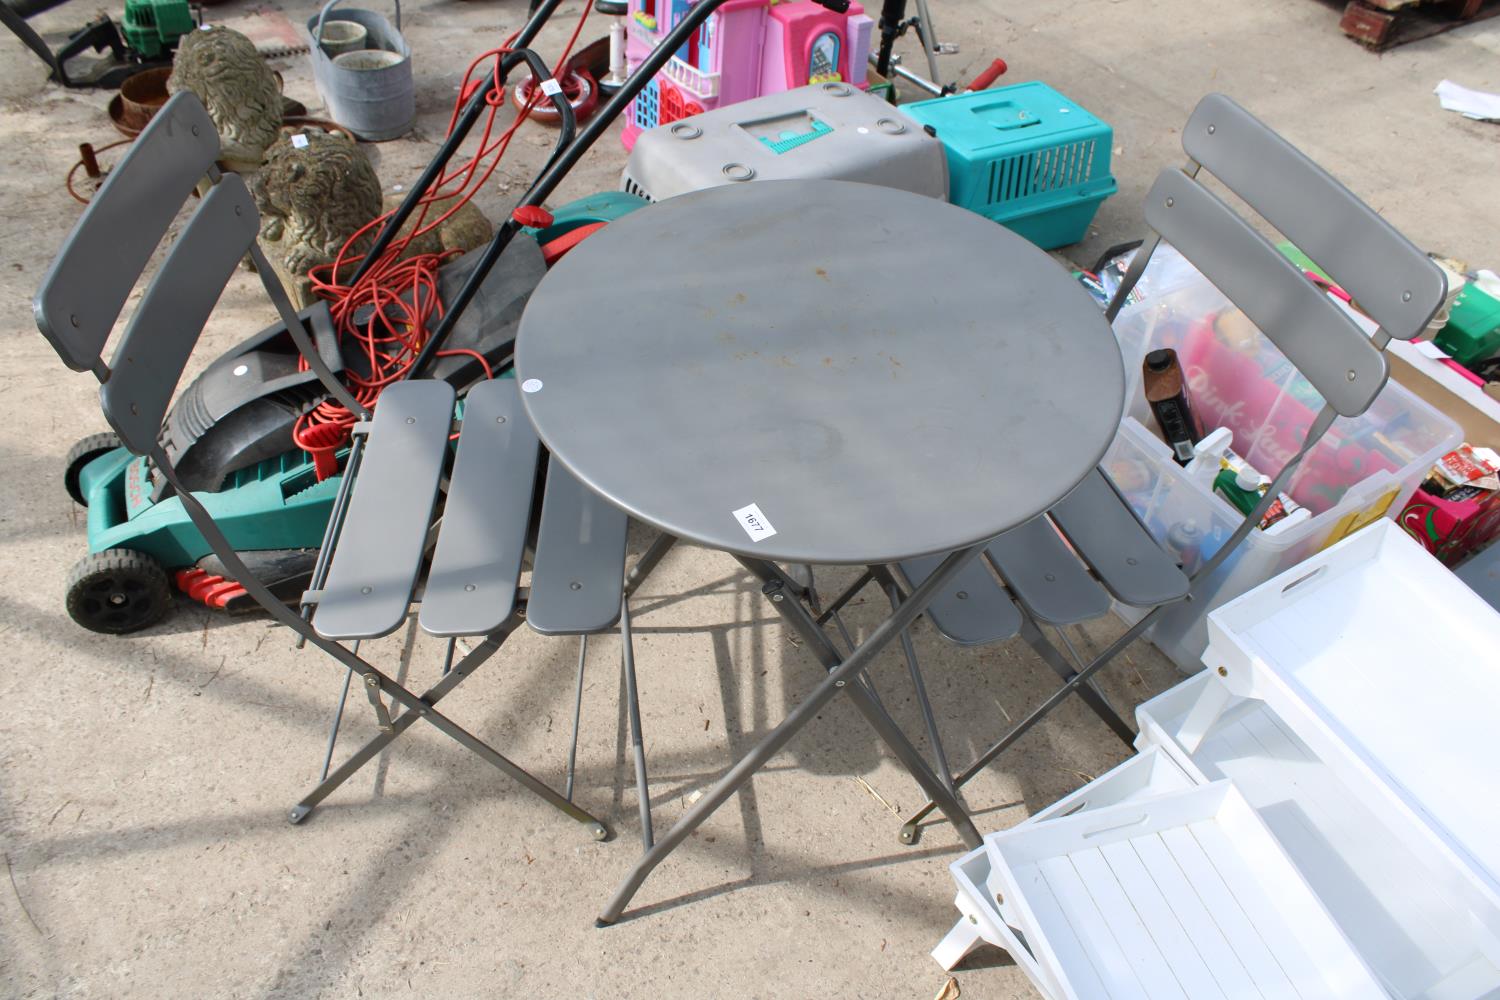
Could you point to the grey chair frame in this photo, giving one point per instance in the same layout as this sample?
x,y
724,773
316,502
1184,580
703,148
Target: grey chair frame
x,y
83,295
1393,282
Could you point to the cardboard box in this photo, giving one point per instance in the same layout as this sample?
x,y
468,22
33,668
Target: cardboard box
x,y
1451,530
1470,407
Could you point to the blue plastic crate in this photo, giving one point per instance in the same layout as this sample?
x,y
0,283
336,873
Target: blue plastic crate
x,y
1024,156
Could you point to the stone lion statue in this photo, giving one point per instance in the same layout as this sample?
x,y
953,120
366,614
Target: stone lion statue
x,y
239,90
313,193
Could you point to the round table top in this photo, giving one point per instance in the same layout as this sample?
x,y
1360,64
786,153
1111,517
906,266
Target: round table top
x,y
819,371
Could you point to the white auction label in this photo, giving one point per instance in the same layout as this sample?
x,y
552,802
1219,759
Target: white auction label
x,y
532,385
299,141
551,87
754,522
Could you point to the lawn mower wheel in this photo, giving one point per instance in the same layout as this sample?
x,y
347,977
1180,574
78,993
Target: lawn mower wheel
x,y
81,454
118,591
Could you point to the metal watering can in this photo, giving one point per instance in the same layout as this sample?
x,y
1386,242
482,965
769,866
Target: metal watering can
x,y
369,91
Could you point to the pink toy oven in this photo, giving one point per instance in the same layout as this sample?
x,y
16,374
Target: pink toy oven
x,y
745,49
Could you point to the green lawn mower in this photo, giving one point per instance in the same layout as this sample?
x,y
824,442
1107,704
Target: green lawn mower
x,y
230,437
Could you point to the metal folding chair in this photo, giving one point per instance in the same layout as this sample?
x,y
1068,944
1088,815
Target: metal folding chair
x,y
386,514
1063,567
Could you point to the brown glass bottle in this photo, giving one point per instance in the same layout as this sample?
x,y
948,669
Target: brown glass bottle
x,y
1166,391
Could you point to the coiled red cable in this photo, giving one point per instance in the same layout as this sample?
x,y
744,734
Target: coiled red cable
x,y
386,316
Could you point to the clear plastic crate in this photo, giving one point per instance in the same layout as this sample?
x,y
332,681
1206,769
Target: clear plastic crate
x,y
1364,467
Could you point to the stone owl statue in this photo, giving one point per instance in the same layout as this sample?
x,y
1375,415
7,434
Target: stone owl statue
x,y
222,67
314,191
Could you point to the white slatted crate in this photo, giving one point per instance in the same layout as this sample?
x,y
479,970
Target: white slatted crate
x,y
981,898
1184,896
1386,667
1415,936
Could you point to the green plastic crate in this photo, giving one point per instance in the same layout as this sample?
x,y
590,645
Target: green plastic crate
x,y
1473,330
1024,156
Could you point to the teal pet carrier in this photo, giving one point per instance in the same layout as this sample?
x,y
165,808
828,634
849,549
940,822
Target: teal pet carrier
x,y
1024,156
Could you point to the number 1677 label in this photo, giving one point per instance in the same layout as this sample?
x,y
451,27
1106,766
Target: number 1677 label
x,y
754,522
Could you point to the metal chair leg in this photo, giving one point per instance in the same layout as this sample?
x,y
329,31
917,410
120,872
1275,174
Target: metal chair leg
x,y
633,710
415,706
939,755
583,652
338,717
425,709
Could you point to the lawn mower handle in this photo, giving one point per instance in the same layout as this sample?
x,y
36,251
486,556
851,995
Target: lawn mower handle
x,y
564,159
460,131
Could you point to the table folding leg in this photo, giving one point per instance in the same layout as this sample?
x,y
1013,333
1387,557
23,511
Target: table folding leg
x,y
841,672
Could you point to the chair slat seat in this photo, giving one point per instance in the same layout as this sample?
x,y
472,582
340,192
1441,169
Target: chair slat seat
x,y
1045,576
380,548
471,585
578,574
1127,559
973,609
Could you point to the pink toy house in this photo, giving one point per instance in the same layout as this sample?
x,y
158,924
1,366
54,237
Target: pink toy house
x,y
745,49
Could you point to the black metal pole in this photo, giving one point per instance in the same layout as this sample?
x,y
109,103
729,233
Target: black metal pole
x,y
565,159
557,168
605,117
891,24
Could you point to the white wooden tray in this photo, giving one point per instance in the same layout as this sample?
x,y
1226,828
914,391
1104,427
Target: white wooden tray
x,y
1387,667
1416,937
1178,896
981,897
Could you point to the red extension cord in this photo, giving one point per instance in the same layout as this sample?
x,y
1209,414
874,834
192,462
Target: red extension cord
x,y
398,298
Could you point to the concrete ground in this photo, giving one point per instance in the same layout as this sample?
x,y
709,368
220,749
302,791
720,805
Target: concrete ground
x,y
144,781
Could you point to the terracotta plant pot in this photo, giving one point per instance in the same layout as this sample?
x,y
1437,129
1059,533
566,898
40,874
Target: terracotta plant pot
x,y
142,94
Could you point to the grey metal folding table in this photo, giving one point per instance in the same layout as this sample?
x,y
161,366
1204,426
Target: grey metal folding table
x,y
819,372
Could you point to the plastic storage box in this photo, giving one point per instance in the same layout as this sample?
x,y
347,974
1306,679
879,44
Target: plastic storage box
x,y
1363,469
1024,156
822,131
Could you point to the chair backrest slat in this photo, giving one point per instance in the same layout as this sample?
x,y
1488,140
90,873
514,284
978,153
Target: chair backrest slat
x,y
1391,279
1323,343
155,346
84,290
